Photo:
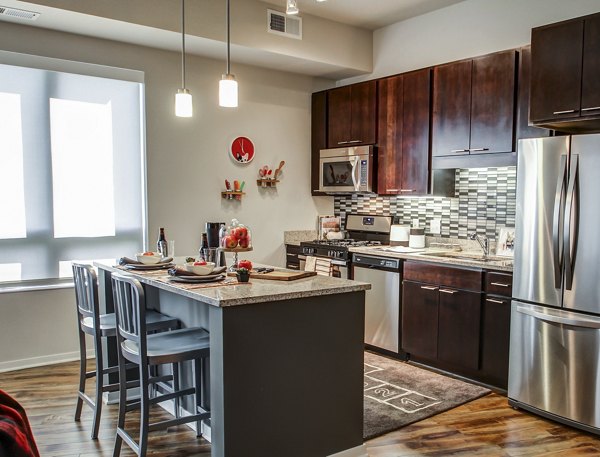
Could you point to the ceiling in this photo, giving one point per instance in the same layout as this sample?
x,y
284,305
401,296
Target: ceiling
x,y
158,26
369,14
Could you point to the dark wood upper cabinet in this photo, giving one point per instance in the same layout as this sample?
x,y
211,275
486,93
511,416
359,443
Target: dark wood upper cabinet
x,y
451,109
590,83
565,87
493,103
403,133
351,115
339,117
318,137
416,132
474,104
556,59
524,130
389,124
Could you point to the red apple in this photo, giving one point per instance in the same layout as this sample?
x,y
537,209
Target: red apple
x,y
245,264
230,242
200,262
244,243
242,232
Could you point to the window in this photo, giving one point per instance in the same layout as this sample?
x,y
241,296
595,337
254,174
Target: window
x,y
71,157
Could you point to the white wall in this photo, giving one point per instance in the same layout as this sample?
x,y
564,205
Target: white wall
x,y
467,29
187,163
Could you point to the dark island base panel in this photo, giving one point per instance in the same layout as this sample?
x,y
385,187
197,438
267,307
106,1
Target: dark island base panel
x,y
286,377
292,373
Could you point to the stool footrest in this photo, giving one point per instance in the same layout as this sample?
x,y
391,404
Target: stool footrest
x,y
170,396
178,421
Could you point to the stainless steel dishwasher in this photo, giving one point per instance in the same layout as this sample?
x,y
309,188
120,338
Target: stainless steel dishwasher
x,y
382,302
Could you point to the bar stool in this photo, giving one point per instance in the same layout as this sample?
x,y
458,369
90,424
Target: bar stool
x,y
145,350
99,326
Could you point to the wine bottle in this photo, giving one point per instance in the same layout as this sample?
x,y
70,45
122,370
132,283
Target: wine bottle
x,y
204,248
161,244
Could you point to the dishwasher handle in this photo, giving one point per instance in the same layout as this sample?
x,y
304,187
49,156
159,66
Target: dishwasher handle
x,y
579,322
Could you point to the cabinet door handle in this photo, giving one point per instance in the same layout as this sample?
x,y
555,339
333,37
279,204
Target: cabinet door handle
x,y
500,302
459,150
392,190
429,287
355,141
567,111
478,149
343,142
407,190
448,291
590,109
499,284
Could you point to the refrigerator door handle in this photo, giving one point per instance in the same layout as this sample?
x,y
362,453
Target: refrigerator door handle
x,y
579,322
556,222
571,222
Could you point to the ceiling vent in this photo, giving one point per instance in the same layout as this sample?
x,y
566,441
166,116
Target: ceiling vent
x,y
18,14
281,24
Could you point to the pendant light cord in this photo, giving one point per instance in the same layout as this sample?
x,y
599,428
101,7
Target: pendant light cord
x,y
183,44
228,41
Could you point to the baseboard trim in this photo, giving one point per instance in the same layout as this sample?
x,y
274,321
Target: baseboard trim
x,y
13,365
358,451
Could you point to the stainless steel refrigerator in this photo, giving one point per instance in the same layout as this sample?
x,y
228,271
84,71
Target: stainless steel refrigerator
x,y
554,367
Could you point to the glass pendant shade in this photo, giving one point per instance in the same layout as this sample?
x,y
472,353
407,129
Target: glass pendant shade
x,y
292,7
228,92
183,103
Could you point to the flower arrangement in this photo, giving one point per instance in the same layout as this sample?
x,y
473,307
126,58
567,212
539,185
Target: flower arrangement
x,y
243,274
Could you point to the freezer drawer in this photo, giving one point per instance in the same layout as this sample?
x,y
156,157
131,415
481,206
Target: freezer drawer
x,y
555,363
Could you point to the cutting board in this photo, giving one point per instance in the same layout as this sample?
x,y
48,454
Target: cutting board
x,y
280,275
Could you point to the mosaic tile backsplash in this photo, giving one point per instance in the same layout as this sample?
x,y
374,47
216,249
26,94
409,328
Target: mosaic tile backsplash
x,y
485,202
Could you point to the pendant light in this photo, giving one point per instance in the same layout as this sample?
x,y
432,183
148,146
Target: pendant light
x,y
292,7
228,87
183,98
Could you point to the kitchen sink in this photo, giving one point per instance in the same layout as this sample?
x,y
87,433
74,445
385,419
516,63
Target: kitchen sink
x,y
463,256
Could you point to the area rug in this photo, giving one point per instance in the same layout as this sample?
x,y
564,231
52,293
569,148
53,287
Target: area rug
x,y
398,394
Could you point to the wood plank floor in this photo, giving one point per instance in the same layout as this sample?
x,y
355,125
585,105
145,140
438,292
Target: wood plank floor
x,y
485,427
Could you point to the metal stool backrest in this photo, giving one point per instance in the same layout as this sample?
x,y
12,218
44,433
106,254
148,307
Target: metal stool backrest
x,y
130,308
86,292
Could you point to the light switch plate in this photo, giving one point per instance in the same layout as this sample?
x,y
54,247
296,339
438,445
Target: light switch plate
x,y
435,226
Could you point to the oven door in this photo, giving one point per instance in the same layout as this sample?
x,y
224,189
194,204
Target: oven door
x,y
350,171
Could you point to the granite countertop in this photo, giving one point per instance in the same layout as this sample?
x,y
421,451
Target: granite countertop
x,y
256,291
435,255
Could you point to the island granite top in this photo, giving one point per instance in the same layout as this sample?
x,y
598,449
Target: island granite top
x,y
256,291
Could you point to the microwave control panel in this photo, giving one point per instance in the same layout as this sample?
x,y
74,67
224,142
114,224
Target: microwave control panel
x,y
363,173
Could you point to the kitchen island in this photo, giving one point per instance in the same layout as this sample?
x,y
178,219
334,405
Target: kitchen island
x,y
286,360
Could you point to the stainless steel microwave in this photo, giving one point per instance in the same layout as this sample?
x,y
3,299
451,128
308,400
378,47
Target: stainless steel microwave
x,y
347,170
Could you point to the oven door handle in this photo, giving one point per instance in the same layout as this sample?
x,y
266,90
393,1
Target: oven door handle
x,y
355,178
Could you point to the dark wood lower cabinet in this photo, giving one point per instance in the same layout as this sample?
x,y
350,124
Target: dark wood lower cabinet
x,y
495,340
457,320
459,327
420,319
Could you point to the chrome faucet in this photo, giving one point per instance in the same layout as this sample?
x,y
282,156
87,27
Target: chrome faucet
x,y
483,241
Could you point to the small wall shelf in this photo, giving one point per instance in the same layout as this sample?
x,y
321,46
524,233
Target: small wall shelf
x,y
267,182
232,195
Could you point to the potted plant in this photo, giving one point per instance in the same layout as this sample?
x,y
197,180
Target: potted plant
x,y
243,274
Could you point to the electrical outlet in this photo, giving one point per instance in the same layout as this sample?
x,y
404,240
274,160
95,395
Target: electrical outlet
x,y
435,226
